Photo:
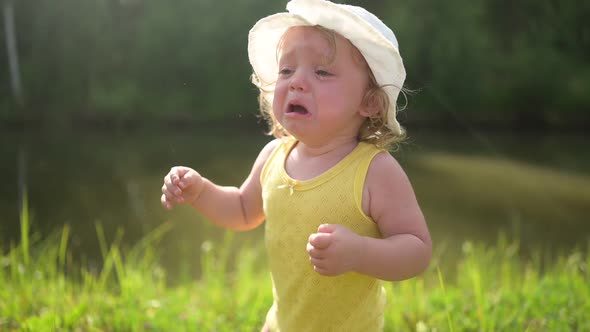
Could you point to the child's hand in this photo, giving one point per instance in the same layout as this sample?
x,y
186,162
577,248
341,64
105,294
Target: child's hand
x,y
334,249
181,185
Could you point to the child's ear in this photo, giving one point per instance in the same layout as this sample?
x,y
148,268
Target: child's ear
x,y
371,106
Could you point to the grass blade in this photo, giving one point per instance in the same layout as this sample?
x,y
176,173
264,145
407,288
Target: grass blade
x,y
24,230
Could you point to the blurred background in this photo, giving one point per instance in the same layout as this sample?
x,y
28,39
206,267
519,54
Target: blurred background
x,y
99,98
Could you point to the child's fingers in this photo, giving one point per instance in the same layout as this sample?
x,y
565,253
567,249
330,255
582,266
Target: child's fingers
x,y
174,182
176,173
180,171
314,252
171,190
320,266
317,262
165,203
320,240
173,194
326,228
169,181
185,180
324,271
188,179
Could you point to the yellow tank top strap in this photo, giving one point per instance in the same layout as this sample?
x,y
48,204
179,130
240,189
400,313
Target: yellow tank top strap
x,y
280,151
361,175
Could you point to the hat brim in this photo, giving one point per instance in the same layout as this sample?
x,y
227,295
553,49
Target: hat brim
x,y
263,41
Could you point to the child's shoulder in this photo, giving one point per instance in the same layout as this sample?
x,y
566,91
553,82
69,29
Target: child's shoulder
x,y
389,191
385,169
270,147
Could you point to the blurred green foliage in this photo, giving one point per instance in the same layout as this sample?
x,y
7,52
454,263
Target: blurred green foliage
x,y
484,60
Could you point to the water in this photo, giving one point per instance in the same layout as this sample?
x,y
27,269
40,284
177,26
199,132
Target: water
x,y
471,186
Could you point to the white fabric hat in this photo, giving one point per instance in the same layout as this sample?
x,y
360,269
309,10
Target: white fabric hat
x,y
371,36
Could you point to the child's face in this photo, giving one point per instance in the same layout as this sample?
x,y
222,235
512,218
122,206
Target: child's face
x,y
320,88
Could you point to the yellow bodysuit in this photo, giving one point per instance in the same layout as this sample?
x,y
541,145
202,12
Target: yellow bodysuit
x,y
303,299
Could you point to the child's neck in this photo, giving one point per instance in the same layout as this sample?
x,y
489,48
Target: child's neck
x,y
337,146
307,161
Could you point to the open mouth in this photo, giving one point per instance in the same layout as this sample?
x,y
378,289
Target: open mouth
x,y
299,109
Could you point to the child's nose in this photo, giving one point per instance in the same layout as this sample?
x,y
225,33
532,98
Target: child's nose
x,y
299,81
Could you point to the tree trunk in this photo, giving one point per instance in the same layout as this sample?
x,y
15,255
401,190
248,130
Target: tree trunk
x,y
11,48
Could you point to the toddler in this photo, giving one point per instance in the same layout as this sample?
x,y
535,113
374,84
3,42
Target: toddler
x,y
341,215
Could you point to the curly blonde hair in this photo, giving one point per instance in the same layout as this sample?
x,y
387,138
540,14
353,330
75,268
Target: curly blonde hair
x,y
374,130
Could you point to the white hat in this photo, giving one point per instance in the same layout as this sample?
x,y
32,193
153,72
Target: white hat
x,y
371,36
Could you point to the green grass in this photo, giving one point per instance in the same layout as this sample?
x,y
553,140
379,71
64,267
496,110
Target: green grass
x,y
490,288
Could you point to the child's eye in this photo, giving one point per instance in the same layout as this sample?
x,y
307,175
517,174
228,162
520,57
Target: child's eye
x,y
322,73
285,71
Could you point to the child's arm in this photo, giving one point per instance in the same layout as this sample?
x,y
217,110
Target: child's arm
x,y
404,250
229,207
